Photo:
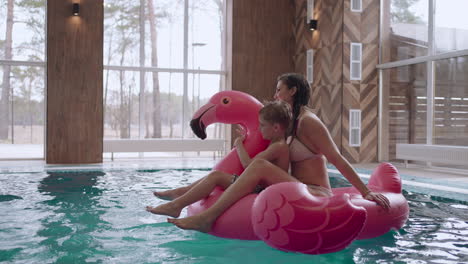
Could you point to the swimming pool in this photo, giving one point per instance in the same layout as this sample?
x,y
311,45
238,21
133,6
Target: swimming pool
x,y
99,217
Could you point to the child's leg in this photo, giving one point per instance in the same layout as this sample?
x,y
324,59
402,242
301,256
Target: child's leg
x,y
173,194
199,191
259,171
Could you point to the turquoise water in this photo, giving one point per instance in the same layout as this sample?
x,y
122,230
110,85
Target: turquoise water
x,y
100,217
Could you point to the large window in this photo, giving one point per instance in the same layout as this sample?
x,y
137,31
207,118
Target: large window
x,y
408,22
22,78
424,84
406,101
451,102
414,32
451,25
163,60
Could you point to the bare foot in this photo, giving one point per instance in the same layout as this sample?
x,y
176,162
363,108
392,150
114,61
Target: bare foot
x,y
195,222
170,195
165,209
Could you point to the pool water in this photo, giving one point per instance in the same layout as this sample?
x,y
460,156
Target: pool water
x,y
99,217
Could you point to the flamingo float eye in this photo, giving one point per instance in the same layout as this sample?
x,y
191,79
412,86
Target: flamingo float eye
x,y
226,100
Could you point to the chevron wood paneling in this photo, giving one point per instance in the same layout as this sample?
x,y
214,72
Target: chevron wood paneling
x,y
351,25
352,95
364,97
370,19
331,97
370,55
330,24
326,41
363,28
317,35
369,124
331,64
302,36
333,94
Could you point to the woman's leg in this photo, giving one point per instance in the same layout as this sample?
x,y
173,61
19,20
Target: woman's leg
x,y
173,194
259,171
199,191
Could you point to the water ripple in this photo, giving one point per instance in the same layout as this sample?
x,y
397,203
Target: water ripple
x,y
96,216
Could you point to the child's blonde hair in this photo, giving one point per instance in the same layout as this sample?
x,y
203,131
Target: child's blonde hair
x,y
278,112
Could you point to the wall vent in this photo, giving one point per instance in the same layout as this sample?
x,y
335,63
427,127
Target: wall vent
x,y
356,5
310,10
355,127
355,65
310,65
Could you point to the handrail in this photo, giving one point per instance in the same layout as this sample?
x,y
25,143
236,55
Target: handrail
x,y
421,59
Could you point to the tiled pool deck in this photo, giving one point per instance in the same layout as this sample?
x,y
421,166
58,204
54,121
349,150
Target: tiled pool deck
x,y
440,183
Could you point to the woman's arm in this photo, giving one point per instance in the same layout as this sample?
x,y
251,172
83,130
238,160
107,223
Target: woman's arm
x,y
318,138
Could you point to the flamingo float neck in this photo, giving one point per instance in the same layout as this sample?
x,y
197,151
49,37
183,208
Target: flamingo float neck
x,y
232,107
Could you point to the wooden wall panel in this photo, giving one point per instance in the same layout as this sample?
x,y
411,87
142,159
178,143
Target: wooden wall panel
x,y
326,41
302,37
262,45
361,27
333,94
74,82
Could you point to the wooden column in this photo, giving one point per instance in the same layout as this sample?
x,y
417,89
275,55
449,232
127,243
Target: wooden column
x,y
262,45
74,82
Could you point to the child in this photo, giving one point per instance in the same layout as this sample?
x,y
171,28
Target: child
x,y
275,120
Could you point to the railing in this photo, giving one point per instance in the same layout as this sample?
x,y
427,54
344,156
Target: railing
x,y
164,145
149,145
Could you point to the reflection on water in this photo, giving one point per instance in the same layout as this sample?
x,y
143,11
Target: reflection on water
x,y
77,217
435,230
8,197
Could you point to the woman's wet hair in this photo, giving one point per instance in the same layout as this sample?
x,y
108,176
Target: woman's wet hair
x,y
300,98
277,112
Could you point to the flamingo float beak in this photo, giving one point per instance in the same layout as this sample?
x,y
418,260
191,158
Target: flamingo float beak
x,y
201,119
198,128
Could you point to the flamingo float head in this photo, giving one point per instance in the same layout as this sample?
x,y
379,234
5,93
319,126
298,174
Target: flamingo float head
x,y
227,107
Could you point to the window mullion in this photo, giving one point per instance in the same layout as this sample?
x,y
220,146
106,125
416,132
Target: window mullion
x,y
430,77
185,96
141,96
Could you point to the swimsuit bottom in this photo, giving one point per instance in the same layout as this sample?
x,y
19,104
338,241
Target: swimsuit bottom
x,y
314,189
318,190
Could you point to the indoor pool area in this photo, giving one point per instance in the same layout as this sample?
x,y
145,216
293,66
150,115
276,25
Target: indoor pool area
x,y
338,130
96,214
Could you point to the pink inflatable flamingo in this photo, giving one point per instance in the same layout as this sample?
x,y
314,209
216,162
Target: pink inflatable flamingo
x,y
231,107
286,216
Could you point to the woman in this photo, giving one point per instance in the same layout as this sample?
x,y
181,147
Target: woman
x,y
310,148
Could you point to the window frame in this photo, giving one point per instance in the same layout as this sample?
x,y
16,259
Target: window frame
x,y
430,60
